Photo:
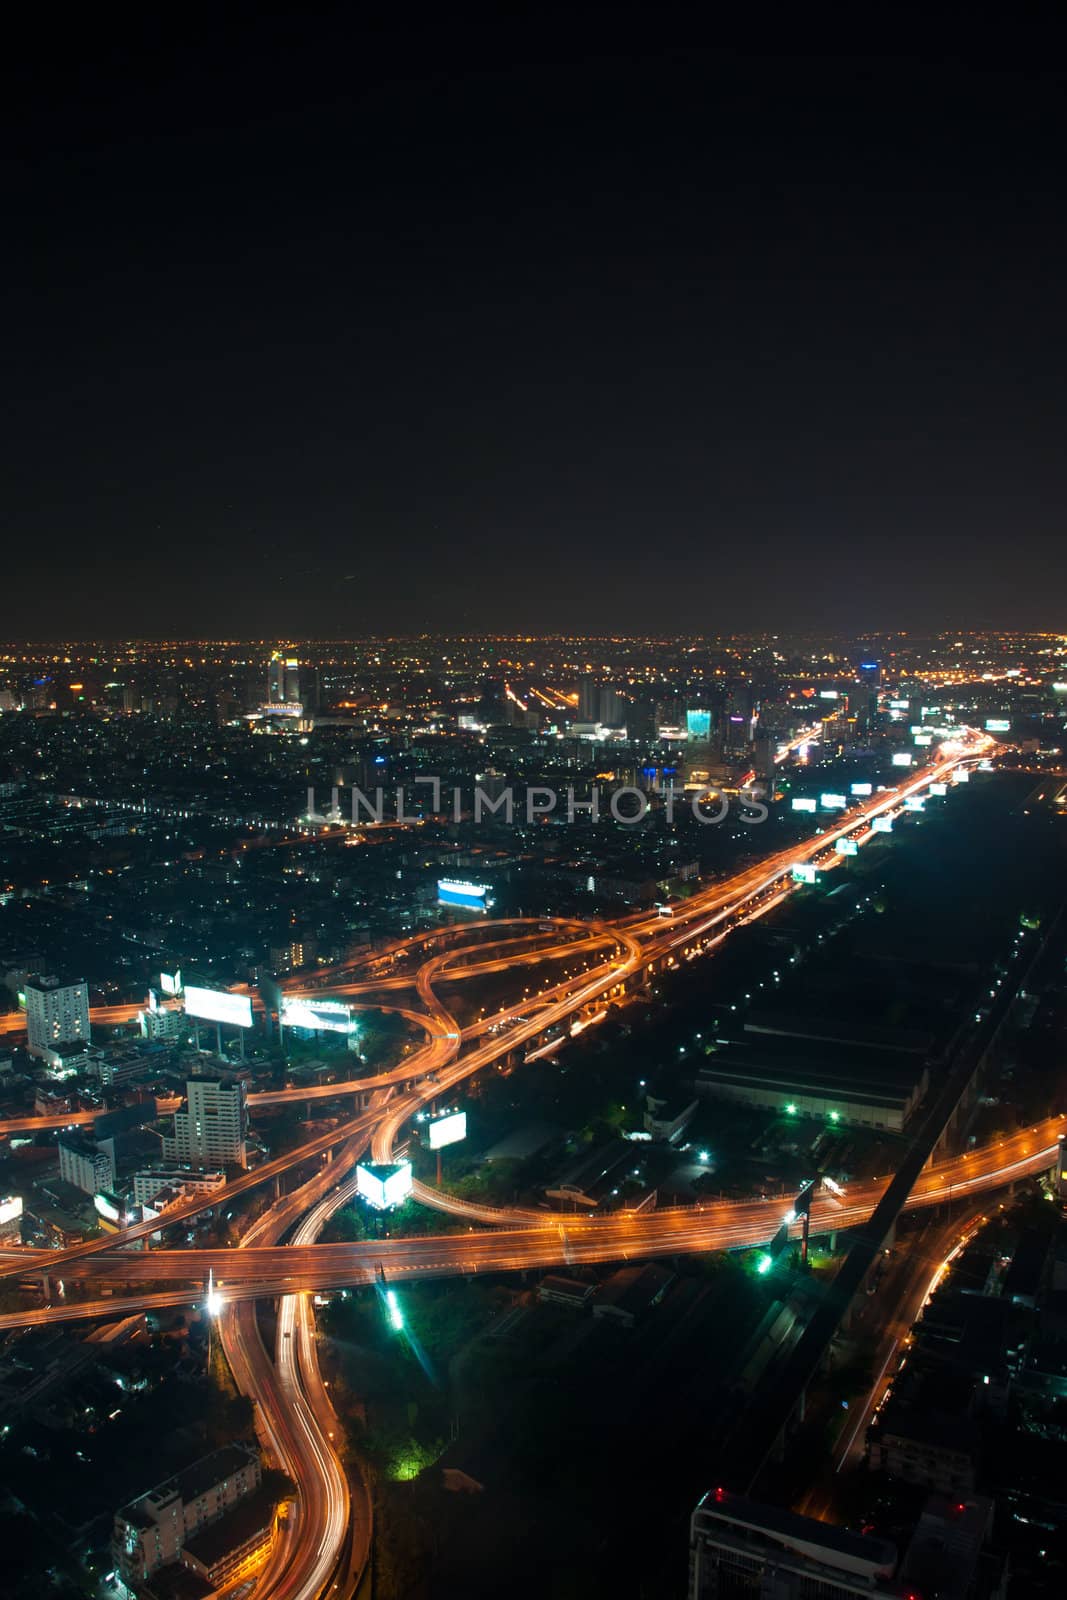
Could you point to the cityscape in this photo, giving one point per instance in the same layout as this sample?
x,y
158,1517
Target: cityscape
x,y
533,810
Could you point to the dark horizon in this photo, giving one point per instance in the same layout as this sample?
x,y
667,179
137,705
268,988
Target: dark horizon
x,y
327,332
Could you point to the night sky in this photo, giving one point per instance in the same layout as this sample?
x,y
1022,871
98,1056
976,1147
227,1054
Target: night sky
x,y
317,331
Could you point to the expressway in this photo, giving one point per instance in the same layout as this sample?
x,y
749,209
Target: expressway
x,y
257,1269
292,1406
698,924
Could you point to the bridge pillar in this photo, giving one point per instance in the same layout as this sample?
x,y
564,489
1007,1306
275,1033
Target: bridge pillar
x,y
46,1285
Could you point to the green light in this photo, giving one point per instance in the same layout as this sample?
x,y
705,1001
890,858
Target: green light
x,y
763,1265
396,1316
835,1116
790,1110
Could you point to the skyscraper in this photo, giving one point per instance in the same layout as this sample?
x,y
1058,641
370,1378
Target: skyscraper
x,y
283,679
210,1131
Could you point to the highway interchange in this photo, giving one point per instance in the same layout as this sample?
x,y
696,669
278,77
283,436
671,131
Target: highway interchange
x,y
294,1416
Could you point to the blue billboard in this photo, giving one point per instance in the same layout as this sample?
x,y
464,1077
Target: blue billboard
x,y
471,896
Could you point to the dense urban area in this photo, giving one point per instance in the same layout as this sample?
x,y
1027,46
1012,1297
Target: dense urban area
x,y
462,1098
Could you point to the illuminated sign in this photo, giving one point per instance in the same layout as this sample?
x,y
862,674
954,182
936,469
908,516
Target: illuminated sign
x,y
282,708
322,1016
698,724
882,825
448,1130
801,804
106,1207
997,725
924,738
384,1186
847,847
861,788
452,892
829,694
902,759
899,705
915,803
216,1005
10,1208
170,982
1060,688
939,789
834,802
804,872
961,775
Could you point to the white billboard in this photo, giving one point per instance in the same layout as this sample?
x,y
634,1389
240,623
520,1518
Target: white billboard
x,y
834,802
384,1186
902,759
10,1208
448,1130
216,1005
804,872
861,788
170,982
882,825
801,803
322,1016
846,847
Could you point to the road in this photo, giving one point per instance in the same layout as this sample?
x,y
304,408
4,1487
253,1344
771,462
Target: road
x,y
291,1401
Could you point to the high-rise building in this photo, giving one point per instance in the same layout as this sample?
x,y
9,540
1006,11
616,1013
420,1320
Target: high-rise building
x,y
211,1130
613,708
740,1547
56,1013
283,679
588,699
87,1165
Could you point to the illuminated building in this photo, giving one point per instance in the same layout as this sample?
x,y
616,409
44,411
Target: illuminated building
x,y
56,1013
152,1531
86,1165
210,1132
740,1547
283,679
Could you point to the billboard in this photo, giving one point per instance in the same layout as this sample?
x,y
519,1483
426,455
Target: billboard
x,y
448,1130
915,803
383,1186
216,1005
847,847
834,802
698,724
321,1016
882,825
939,789
804,872
899,705
802,804
10,1208
902,759
997,725
829,694
454,892
170,983
924,738
861,788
